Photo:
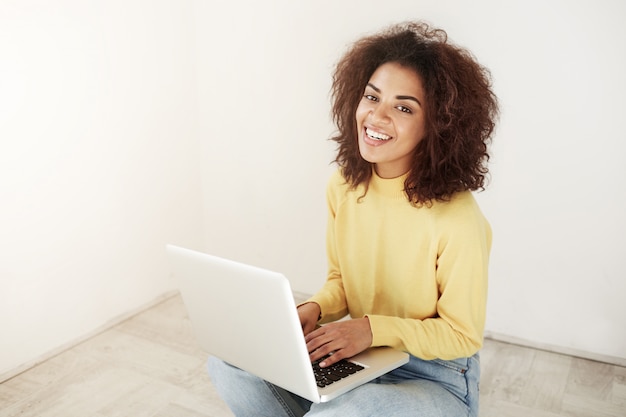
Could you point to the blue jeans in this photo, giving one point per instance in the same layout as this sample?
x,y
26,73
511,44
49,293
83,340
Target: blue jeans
x,y
434,388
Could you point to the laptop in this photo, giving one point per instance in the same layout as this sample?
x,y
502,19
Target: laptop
x,y
247,316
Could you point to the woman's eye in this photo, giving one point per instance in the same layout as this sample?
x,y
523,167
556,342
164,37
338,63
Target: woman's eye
x,y
370,97
404,109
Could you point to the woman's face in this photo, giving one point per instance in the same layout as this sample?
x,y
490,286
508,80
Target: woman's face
x,y
390,119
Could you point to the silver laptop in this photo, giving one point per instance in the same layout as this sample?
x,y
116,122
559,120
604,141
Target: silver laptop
x,y
247,317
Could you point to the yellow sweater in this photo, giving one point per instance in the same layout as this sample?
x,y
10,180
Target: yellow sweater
x,y
418,274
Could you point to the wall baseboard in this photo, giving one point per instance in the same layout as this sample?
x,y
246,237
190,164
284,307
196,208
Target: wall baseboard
x,y
613,360
109,324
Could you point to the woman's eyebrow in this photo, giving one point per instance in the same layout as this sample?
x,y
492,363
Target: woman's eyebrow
x,y
373,87
409,98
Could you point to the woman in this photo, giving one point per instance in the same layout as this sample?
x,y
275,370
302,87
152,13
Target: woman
x,y
407,244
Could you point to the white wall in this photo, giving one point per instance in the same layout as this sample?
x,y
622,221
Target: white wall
x,y
102,104
557,197
98,164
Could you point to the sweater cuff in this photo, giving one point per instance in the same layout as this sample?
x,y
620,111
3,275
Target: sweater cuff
x,y
328,311
382,331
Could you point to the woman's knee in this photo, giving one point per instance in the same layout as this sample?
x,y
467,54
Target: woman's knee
x,y
215,366
225,377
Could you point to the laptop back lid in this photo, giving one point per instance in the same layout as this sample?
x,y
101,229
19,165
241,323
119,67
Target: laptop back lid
x,y
245,316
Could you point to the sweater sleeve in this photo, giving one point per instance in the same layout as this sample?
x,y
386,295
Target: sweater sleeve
x,y
331,297
461,273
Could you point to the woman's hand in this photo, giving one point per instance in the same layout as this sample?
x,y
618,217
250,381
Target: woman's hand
x,y
343,338
309,314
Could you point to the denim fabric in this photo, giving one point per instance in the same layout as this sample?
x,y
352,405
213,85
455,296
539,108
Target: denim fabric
x,y
434,388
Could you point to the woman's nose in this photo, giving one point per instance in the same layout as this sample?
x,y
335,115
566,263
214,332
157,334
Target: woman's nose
x,y
379,114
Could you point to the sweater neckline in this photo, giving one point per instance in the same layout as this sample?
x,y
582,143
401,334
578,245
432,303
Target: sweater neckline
x,y
388,187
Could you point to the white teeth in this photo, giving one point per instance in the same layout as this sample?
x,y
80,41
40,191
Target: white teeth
x,y
376,135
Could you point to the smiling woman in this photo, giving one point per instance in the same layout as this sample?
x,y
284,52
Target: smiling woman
x,y
407,244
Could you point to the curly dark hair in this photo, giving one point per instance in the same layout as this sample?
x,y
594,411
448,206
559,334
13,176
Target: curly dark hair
x,y
460,110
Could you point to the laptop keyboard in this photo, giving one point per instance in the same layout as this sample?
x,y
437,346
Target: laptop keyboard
x,y
335,372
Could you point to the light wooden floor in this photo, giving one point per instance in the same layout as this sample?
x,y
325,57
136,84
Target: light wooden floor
x,y
150,365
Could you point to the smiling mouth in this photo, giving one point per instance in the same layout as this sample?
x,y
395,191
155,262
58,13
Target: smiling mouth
x,y
372,134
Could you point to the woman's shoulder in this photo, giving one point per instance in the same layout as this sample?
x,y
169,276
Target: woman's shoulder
x,y
461,220
337,182
338,189
336,178
462,200
460,209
